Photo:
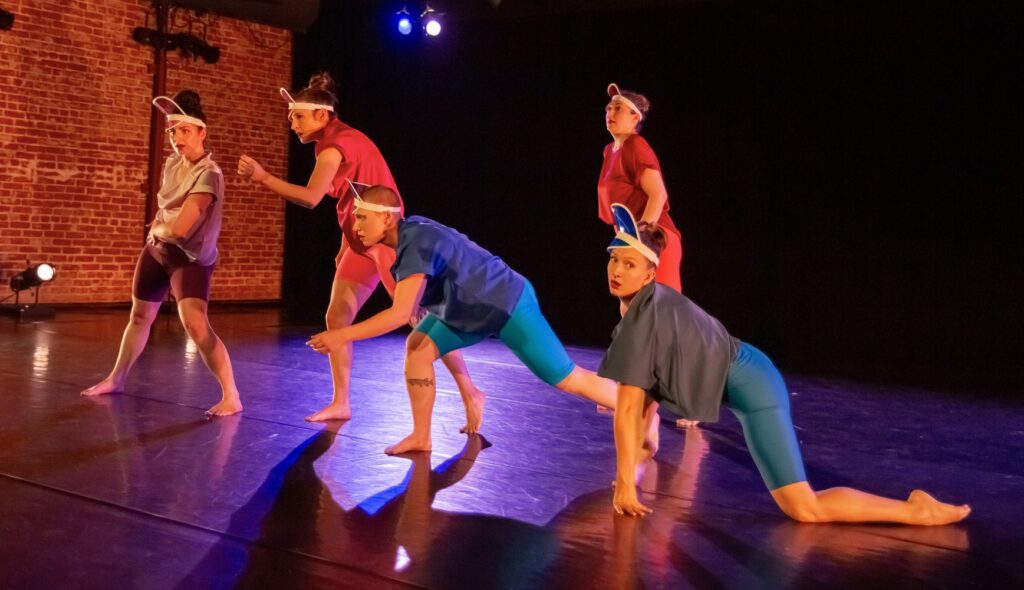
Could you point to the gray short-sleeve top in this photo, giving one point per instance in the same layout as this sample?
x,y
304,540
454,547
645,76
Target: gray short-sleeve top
x,y
674,350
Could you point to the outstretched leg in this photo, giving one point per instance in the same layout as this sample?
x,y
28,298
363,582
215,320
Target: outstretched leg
x,y
420,354
802,503
193,314
756,393
347,297
136,333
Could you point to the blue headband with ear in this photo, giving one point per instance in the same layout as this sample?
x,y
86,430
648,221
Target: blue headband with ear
x,y
627,235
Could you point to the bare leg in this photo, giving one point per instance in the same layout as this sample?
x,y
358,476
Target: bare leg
x,y
420,354
134,340
347,297
193,314
604,392
586,384
472,398
802,503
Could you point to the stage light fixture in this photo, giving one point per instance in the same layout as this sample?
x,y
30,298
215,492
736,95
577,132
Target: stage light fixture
x,y
431,20
403,21
188,45
35,276
6,20
192,46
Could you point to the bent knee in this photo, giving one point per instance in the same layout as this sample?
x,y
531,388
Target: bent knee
x,y
141,319
340,315
196,328
803,511
574,382
800,502
419,348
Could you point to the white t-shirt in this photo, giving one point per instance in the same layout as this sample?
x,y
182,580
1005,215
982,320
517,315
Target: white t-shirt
x,y
182,178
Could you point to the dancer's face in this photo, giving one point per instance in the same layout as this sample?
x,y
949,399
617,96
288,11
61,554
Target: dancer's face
x,y
371,226
620,119
628,272
308,123
188,138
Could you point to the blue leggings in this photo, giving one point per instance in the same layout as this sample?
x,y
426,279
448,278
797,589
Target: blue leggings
x,y
757,395
526,333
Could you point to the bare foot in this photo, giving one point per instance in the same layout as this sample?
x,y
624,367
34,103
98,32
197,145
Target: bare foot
x,y
411,443
684,423
474,412
930,511
331,412
104,387
226,407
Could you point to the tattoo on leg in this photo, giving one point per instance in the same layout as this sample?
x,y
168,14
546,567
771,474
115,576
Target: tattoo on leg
x,y
420,382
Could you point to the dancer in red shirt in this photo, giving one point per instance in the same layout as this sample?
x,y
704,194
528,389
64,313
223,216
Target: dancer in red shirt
x,y
344,154
631,175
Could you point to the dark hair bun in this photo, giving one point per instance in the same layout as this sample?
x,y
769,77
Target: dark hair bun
x,y
188,100
322,81
654,238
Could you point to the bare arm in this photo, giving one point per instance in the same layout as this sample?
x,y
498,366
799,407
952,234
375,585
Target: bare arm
x,y
408,293
178,229
308,196
653,184
629,436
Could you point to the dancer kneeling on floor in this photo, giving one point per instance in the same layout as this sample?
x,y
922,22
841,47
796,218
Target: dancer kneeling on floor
x,y
668,350
470,294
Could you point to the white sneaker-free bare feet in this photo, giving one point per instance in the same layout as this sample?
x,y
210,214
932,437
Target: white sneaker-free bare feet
x,y
225,407
474,412
411,443
932,512
331,412
104,387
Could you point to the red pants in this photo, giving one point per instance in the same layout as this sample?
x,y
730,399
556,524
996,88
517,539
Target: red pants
x,y
670,261
369,268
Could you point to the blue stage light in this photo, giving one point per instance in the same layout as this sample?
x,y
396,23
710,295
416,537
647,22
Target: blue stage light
x,y
404,25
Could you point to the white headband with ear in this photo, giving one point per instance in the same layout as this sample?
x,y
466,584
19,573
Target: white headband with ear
x,y
361,204
178,117
630,104
312,106
616,95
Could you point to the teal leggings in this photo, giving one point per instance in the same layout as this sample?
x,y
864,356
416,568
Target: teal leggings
x,y
757,395
527,334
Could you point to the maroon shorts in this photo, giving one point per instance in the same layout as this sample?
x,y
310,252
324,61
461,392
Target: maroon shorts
x,y
164,266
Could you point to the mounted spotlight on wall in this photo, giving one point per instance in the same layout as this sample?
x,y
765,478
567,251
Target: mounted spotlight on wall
x,y
6,20
33,277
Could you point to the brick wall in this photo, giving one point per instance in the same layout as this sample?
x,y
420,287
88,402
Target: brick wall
x,y
74,131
